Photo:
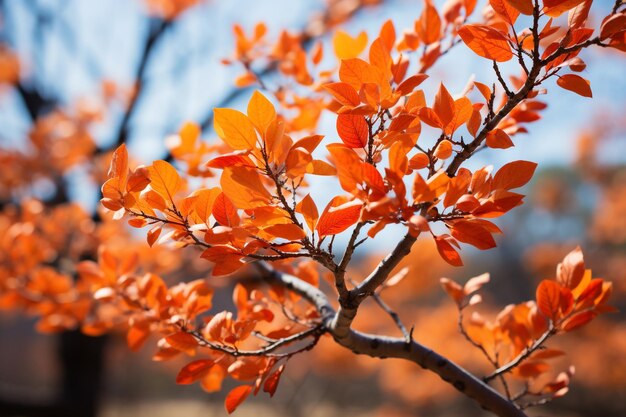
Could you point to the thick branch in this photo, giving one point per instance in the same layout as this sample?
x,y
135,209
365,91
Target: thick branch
x,y
382,271
387,347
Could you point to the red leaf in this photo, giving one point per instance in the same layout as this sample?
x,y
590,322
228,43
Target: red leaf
x,y
343,93
486,42
513,175
447,251
236,396
575,83
549,298
271,383
194,371
353,130
338,216
475,234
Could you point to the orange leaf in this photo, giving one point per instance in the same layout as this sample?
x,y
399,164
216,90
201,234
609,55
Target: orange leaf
x,y
348,164
486,42
549,298
513,175
571,271
463,110
577,320
271,383
346,46
613,25
308,209
338,215
286,231
183,342
447,251
506,10
244,187
344,93
204,203
523,6
388,34
153,234
137,335
164,179
555,8
575,83
444,105
261,111
443,150
428,26
235,128
472,233
419,161
498,139
194,371
236,396
224,211
357,72
454,290
380,57
226,259
353,130
119,165
407,86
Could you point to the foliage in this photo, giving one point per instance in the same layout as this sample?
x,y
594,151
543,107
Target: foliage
x,y
245,202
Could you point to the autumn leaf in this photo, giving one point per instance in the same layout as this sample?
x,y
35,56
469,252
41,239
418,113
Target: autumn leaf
x,y
346,46
235,128
486,42
444,105
183,342
447,251
513,175
571,271
261,111
549,298
164,179
119,165
498,139
357,72
236,396
428,26
523,6
308,209
271,383
338,215
353,130
575,83
554,8
508,12
194,371
472,233
244,188
344,93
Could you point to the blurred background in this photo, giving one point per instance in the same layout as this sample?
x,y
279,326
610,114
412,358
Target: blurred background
x,y
95,74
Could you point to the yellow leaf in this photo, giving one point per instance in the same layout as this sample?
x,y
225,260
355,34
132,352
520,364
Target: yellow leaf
x,y
347,47
235,128
244,188
261,111
164,179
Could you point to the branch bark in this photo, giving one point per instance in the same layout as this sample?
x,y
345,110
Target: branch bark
x,y
389,347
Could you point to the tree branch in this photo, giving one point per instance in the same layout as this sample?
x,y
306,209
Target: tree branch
x,y
388,347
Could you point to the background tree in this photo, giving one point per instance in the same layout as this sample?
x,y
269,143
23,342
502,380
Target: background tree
x,y
260,215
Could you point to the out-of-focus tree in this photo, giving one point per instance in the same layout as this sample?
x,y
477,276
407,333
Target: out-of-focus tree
x,y
397,158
